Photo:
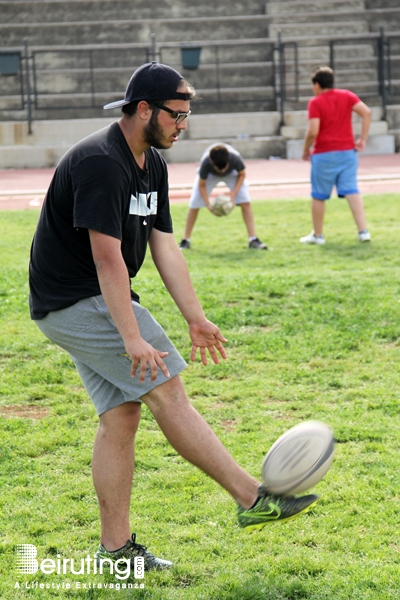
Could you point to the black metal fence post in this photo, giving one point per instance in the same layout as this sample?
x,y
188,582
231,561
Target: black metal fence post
x,y
92,85
382,71
332,55
218,73
281,94
28,86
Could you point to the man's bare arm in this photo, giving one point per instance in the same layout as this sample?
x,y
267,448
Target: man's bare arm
x,y
365,113
311,136
174,272
115,287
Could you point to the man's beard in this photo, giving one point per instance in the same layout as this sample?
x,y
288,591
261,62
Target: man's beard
x,y
153,133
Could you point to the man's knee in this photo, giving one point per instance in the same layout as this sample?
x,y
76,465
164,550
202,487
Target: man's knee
x,y
122,420
172,392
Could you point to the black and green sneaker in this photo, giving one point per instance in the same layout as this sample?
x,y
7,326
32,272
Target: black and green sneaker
x,y
269,509
130,551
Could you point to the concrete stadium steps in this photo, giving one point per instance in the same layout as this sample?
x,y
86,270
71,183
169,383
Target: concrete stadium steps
x,y
393,116
311,6
75,106
230,51
251,147
298,133
209,100
245,70
74,81
253,134
372,19
298,118
130,56
364,89
389,19
210,126
128,31
381,140
238,125
363,74
38,11
325,28
48,155
376,144
301,103
330,15
371,4
319,52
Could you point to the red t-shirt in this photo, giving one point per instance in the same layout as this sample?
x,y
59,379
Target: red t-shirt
x,y
334,109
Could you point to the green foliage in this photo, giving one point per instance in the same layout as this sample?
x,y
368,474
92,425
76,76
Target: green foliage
x,y
313,332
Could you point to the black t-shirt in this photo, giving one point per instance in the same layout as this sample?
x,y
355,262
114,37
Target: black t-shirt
x,y
97,185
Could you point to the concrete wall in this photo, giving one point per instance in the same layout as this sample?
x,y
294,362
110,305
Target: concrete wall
x,y
253,134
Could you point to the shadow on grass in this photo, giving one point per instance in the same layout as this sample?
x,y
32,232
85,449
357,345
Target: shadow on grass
x,y
257,588
356,250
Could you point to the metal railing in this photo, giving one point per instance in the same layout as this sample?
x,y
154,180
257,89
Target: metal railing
x,y
368,64
372,79
86,77
286,80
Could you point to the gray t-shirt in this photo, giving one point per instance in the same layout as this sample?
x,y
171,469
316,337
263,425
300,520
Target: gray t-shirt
x,y
235,164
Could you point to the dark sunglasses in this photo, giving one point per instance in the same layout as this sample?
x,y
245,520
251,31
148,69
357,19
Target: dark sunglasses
x,y
178,116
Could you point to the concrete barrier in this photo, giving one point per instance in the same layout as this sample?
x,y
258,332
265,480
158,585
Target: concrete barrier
x,y
253,134
378,144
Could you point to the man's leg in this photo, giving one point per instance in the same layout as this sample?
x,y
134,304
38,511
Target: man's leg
x,y
190,221
318,213
248,219
191,436
112,469
357,208
195,441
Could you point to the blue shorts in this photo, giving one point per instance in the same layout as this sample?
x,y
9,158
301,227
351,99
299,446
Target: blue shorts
x,y
330,169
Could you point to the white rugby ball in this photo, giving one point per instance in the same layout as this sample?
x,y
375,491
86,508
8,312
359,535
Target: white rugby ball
x,y
221,205
299,459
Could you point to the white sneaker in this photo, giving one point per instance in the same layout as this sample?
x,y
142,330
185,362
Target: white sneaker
x,y
364,236
313,239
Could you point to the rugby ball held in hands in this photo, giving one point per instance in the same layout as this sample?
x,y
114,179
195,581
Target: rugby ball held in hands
x,y
221,205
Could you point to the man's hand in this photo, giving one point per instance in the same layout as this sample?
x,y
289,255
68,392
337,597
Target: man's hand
x,y
210,208
206,336
364,112
360,145
142,354
114,284
311,136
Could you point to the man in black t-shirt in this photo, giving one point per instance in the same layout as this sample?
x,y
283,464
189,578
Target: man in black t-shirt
x,y
107,201
221,163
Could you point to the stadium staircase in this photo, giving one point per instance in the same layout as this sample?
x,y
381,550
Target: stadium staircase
x,y
308,24
235,80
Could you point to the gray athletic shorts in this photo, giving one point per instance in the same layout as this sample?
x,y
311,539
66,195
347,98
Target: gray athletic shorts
x,y
87,331
242,197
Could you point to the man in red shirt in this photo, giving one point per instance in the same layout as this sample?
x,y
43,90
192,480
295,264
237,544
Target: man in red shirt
x,y
334,160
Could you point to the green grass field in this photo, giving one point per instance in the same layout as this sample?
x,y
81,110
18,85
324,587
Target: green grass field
x,y
313,333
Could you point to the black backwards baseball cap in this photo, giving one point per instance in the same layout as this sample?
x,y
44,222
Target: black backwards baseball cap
x,y
152,81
